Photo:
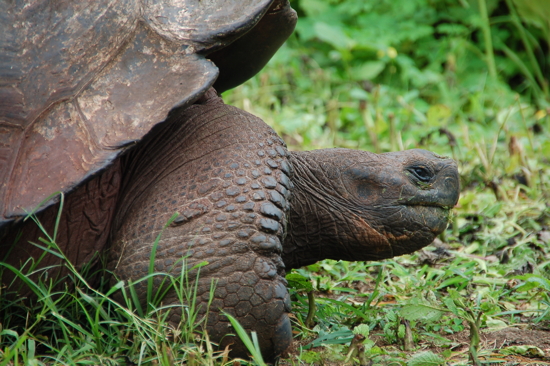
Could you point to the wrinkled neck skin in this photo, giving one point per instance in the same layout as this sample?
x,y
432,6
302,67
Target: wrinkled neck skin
x,y
336,215
319,227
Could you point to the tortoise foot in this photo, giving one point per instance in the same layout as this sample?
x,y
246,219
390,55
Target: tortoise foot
x,y
283,335
273,342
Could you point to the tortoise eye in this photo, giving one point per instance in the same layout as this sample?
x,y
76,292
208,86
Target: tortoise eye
x,y
421,173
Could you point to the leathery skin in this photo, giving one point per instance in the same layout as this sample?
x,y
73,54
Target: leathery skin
x,y
226,173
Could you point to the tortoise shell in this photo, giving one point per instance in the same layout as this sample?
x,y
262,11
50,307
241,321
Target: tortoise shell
x,y
82,81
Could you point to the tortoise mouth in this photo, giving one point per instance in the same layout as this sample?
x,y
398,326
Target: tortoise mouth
x,y
431,199
413,227
428,207
434,216
411,218
420,226
428,204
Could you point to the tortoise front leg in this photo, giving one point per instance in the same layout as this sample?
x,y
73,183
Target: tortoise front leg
x,y
231,188
248,286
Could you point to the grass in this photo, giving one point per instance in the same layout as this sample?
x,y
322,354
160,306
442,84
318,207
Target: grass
x,y
73,323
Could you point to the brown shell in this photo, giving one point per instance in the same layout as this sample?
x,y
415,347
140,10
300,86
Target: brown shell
x,y
80,80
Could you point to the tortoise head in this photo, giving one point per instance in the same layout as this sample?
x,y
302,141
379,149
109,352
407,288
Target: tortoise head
x,y
366,206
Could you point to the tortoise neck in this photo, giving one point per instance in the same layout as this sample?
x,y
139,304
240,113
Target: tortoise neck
x,y
324,222
313,225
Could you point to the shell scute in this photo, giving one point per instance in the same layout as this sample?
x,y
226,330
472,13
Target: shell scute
x,y
80,81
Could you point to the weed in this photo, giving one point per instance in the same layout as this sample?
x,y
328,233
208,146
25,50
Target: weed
x,y
77,324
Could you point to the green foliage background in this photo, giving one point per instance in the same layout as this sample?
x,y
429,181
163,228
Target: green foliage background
x,y
409,64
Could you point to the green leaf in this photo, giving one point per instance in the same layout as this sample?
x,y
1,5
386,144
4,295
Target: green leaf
x,y
451,305
528,351
310,357
452,29
340,336
251,344
362,329
426,358
453,281
536,12
314,7
299,282
333,36
419,311
368,70
533,281
493,210
494,324
359,94
438,115
401,331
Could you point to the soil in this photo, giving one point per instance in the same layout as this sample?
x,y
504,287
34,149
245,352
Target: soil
x,y
492,348
499,340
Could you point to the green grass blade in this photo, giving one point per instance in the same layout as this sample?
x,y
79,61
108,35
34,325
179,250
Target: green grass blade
x,y
251,346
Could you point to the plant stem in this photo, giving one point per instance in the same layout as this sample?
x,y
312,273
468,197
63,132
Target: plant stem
x,y
475,323
311,310
486,28
408,342
530,52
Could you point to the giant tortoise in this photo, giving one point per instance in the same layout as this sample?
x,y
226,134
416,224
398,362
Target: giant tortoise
x,y
111,102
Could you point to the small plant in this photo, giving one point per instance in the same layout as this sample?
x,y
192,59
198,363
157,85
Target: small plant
x,y
63,325
301,283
